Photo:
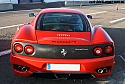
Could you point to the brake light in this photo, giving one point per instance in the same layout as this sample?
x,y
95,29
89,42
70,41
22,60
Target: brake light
x,y
97,51
108,50
29,49
18,47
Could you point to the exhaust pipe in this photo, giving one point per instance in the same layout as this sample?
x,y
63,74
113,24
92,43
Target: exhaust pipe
x,y
105,70
24,69
102,70
19,67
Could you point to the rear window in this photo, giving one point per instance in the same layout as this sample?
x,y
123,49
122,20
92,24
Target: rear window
x,y
64,22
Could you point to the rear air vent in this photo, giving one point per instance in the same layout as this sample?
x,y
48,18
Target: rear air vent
x,y
64,41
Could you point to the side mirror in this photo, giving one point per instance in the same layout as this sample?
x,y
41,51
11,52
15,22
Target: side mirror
x,y
31,15
89,16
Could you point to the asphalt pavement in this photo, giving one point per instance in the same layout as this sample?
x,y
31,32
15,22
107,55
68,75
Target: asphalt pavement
x,y
106,16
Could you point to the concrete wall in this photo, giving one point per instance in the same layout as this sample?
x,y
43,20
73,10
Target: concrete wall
x,y
4,1
9,1
6,6
14,1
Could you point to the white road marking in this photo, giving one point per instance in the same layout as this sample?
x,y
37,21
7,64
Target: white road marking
x,y
10,26
123,8
122,57
117,20
4,52
10,12
32,10
97,13
103,82
13,11
25,10
3,12
109,4
22,11
37,9
100,25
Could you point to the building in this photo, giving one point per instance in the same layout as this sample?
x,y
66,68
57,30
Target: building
x,y
71,1
29,1
19,1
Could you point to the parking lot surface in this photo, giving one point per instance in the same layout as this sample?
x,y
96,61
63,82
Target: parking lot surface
x,y
106,16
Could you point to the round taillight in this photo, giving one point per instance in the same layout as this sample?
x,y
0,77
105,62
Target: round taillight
x,y
18,47
97,51
29,49
108,50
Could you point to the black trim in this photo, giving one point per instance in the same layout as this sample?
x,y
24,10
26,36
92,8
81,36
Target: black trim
x,y
72,52
63,75
88,27
38,22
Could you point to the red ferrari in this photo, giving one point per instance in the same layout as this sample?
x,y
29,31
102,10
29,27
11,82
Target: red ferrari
x,y
60,43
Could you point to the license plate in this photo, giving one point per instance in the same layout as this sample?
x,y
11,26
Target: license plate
x,y
64,67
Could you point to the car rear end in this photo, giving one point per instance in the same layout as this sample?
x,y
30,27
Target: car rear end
x,y
63,50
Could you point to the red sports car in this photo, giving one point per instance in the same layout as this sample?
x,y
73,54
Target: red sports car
x,y
60,43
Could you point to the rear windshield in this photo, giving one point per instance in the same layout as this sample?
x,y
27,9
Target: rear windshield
x,y
64,22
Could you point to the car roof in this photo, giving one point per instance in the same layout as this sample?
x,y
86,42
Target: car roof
x,y
68,10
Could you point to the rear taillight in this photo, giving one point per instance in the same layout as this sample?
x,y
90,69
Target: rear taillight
x,y
29,49
97,51
18,47
108,50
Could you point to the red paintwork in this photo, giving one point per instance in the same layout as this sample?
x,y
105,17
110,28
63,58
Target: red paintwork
x,y
60,10
100,36
86,65
28,34
25,34
80,38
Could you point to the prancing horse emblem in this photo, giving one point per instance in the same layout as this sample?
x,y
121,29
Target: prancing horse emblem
x,y
63,52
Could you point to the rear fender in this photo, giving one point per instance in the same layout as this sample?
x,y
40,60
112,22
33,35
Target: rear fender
x,y
100,36
25,34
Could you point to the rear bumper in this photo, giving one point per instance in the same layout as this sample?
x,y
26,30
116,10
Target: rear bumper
x,y
38,65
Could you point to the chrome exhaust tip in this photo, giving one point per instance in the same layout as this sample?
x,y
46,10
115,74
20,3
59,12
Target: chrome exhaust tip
x,y
19,67
24,69
100,71
105,70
